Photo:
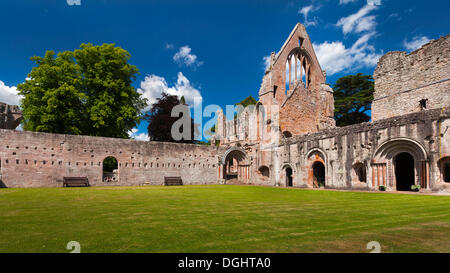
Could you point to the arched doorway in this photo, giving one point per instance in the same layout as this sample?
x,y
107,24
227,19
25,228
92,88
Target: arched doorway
x,y
110,169
236,167
404,171
318,174
289,177
399,163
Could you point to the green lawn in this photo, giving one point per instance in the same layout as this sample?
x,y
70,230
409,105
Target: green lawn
x,y
220,219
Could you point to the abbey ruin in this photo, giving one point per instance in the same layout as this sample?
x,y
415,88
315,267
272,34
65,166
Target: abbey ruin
x,y
288,139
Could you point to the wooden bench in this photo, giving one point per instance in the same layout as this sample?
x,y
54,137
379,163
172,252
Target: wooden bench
x,y
75,182
173,181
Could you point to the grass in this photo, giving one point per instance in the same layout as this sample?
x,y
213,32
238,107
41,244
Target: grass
x,y
220,219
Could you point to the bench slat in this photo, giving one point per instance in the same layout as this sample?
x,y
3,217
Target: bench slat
x,y
75,181
173,181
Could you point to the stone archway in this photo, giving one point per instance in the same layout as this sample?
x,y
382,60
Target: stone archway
x,y
236,168
316,168
110,169
288,175
396,156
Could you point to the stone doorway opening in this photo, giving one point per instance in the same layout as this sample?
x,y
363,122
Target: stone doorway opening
x,y
318,174
289,177
236,168
110,170
404,171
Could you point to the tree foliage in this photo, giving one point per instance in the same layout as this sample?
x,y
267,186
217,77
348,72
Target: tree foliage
x,y
353,97
247,101
160,120
110,164
83,92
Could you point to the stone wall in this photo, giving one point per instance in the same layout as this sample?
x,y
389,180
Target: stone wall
x,y
402,80
373,145
30,159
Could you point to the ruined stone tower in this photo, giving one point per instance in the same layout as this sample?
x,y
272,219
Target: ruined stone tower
x,y
294,98
296,83
10,116
407,83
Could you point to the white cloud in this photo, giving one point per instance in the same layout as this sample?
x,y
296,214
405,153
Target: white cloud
x,y
334,57
415,43
9,95
184,56
138,136
374,2
307,10
344,2
152,87
359,21
74,2
266,62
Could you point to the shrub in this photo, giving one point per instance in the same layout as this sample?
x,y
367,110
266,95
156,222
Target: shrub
x,y
382,188
415,188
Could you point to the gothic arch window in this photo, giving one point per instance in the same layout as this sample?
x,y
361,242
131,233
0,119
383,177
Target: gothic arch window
x,y
297,69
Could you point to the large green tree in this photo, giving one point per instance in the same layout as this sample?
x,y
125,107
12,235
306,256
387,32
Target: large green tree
x,y
84,92
353,97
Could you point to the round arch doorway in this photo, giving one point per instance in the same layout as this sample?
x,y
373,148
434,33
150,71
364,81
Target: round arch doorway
x,y
289,177
404,171
110,169
236,167
318,174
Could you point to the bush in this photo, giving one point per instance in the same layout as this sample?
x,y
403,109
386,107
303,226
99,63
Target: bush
x,y
415,188
382,188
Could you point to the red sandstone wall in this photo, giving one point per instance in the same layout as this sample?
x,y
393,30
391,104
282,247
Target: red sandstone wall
x,y
30,159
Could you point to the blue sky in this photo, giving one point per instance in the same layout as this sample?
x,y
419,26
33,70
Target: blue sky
x,y
213,49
